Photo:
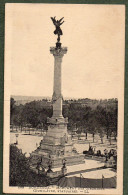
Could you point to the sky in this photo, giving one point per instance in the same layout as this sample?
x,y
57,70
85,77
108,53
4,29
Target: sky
x,y
94,35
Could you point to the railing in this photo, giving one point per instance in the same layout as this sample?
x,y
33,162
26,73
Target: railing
x,y
87,182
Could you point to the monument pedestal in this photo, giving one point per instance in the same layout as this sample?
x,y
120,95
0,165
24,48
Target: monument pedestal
x,y
55,147
57,144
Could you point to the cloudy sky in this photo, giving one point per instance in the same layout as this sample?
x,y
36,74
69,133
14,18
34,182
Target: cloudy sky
x,y
93,65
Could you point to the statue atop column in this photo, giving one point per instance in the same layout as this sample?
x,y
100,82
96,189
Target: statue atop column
x,y
58,30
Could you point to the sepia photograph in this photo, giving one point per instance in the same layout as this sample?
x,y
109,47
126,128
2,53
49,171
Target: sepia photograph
x,y
64,98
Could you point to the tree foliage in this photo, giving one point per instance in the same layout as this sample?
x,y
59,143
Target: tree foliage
x,y
101,118
20,172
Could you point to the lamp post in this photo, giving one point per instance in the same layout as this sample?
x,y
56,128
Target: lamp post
x,y
16,138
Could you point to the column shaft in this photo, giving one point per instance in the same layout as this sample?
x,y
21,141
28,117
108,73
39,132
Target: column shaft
x,y
57,75
57,96
57,105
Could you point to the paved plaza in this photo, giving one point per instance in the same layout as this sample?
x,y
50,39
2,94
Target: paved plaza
x,y
91,168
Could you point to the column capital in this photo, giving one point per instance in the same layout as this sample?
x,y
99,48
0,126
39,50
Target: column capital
x,y
58,52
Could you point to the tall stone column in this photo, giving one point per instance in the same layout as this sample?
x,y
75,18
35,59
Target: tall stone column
x,y
57,95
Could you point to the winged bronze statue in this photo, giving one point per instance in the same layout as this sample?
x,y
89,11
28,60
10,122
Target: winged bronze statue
x,y
57,24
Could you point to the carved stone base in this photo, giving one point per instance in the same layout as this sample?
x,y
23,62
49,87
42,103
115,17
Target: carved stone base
x,y
55,147
57,161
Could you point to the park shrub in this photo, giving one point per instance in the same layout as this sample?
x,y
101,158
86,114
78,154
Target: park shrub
x,y
20,172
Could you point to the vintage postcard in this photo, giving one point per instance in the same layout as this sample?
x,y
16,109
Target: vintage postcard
x,y
64,98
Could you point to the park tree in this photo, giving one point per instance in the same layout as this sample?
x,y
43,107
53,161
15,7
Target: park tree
x,y
101,132
12,106
16,114
107,118
86,123
12,110
20,172
18,119
34,114
92,124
